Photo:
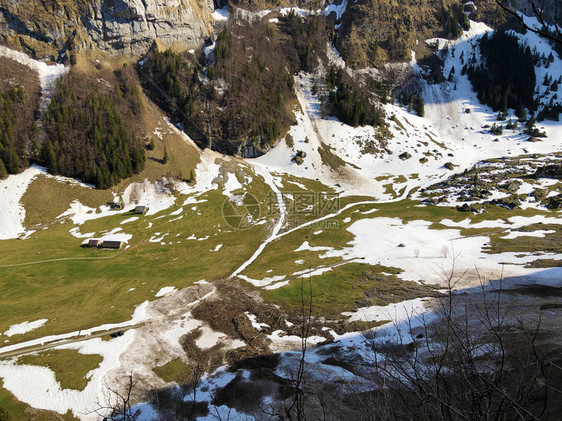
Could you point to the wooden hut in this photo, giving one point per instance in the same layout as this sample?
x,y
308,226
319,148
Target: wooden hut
x,y
141,209
94,243
111,244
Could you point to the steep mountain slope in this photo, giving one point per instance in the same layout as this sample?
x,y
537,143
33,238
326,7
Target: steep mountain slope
x,y
375,32
48,29
19,108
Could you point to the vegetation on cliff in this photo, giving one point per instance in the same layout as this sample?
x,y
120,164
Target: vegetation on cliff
x,y
374,32
19,105
239,99
93,125
348,102
506,77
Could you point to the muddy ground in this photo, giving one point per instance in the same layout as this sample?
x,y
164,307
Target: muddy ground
x,y
256,382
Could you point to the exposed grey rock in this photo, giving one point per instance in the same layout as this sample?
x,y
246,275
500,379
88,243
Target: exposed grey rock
x,y
126,27
466,208
549,171
554,202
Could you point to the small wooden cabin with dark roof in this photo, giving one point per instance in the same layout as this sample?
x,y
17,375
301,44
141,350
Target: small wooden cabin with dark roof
x,y
111,244
141,209
94,243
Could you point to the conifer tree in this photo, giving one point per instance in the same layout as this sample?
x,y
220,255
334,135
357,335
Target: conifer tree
x,y
11,159
419,105
49,158
91,136
521,113
3,171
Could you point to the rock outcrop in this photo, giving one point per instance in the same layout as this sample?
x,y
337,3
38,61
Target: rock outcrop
x,y
375,32
48,29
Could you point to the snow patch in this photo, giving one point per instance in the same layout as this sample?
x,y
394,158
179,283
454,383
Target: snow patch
x,y
306,247
25,327
209,338
231,184
392,312
154,195
254,321
165,291
517,234
156,238
114,235
75,232
338,9
48,74
262,282
44,392
12,212
221,14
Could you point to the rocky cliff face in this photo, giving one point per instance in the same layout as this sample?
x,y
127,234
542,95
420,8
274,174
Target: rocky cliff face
x,y
374,32
49,28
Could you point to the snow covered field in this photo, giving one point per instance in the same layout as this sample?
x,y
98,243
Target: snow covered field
x,y
12,213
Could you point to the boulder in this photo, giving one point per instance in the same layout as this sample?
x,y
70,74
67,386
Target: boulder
x,y
554,202
466,208
549,171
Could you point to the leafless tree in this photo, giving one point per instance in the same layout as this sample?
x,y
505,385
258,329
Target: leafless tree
x,y
117,405
298,403
469,361
220,416
182,406
295,407
538,8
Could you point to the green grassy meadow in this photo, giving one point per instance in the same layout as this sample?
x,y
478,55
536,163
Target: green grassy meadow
x,y
174,371
50,275
346,288
88,287
69,366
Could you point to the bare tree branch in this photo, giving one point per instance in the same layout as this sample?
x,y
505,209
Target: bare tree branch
x,y
538,13
118,404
